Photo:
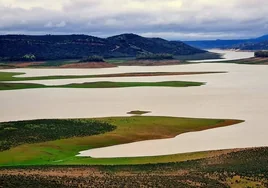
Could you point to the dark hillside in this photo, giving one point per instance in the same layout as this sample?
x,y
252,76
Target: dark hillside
x,y
52,47
133,44
254,46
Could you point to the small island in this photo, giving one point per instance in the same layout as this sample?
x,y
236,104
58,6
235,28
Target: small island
x,y
138,112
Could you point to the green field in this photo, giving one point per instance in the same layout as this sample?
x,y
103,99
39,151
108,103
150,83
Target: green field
x,y
5,77
63,150
245,168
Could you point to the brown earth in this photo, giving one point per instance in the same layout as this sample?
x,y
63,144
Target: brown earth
x,y
6,67
26,64
150,62
88,65
19,65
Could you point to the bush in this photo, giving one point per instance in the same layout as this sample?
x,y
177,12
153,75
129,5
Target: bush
x,y
21,132
261,54
93,58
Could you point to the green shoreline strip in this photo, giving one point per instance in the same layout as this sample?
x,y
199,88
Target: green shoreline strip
x,y
15,86
10,76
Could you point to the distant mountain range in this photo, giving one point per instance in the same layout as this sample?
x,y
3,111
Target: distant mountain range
x,y
52,47
260,43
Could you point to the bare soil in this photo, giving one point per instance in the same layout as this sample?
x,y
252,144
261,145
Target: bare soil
x,y
151,63
88,65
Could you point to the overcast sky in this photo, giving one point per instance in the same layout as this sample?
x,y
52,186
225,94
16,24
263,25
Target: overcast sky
x,y
170,19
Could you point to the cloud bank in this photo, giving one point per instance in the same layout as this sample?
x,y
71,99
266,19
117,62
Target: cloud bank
x,y
170,19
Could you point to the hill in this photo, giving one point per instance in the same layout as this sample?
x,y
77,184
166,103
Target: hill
x,y
259,43
133,44
53,47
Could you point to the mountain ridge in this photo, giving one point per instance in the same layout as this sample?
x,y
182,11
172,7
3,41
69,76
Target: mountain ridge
x,y
52,47
242,44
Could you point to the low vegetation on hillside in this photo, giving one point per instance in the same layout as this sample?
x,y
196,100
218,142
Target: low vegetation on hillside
x,y
260,45
154,57
27,132
93,58
245,168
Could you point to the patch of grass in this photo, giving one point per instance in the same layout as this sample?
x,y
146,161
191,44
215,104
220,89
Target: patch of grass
x,y
119,60
9,76
132,84
138,112
15,86
128,129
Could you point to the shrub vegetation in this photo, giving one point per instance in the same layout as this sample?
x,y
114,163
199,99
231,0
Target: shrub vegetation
x,y
26,132
241,168
154,56
93,58
261,54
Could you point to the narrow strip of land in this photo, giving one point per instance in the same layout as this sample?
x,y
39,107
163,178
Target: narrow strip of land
x,y
250,61
11,76
15,86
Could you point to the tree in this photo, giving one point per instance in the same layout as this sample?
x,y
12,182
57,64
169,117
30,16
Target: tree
x,y
93,58
261,54
29,57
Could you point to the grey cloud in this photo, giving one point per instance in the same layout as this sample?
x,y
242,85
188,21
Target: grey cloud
x,y
191,20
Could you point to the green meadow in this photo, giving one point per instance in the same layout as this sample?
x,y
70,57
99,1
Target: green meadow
x,y
37,146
